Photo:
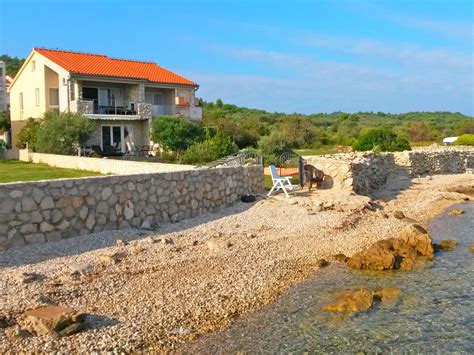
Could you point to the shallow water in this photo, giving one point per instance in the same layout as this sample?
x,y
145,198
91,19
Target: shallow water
x,y
435,312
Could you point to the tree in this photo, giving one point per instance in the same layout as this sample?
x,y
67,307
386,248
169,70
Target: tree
x,y
176,133
273,146
219,103
27,135
12,64
383,140
465,139
298,131
63,132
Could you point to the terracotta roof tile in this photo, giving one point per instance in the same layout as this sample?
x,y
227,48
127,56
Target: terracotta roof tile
x,y
97,64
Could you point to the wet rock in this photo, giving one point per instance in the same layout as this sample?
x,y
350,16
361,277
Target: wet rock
x,y
399,214
385,294
352,301
361,299
53,320
455,212
340,258
411,249
445,245
472,249
323,263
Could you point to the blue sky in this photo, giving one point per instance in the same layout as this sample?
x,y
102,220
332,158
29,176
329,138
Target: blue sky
x,y
287,56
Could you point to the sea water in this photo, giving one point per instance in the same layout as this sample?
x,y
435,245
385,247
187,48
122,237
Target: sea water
x,y
434,313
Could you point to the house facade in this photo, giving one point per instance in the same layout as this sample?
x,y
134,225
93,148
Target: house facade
x,y
122,96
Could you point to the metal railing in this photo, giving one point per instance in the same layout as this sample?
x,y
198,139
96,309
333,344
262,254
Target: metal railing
x,y
112,108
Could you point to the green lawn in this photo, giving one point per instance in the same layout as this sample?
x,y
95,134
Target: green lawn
x,y
15,171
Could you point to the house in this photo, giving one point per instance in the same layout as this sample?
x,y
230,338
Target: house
x,y
121,95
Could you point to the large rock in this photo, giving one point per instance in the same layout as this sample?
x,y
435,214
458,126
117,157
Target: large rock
x,y
53,320
352,301
445,245
409,250
361,299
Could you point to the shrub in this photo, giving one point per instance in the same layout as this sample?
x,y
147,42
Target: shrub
x,y
382,140
273,146
4,121
62,132
211,149
465,139
27,135
176,133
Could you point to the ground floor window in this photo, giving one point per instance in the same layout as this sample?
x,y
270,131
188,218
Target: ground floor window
x,y
118,136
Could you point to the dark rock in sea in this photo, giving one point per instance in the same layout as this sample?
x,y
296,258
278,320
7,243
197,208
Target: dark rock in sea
x,y
472,249
445,245
411,249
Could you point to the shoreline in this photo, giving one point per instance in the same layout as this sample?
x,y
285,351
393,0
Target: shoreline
x,y
218,266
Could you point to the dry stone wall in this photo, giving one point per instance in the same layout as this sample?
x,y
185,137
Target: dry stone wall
x,y
36,212
367,172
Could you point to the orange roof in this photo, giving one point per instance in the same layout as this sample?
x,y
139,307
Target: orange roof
x,y
97,64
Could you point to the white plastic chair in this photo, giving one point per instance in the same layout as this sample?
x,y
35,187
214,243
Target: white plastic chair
x,y
280,182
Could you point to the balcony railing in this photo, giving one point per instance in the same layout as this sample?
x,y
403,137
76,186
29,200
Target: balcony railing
x,y
160,110
111,107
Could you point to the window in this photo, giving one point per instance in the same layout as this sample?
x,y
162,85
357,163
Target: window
x,y
54,97
33,65
37,97
20,99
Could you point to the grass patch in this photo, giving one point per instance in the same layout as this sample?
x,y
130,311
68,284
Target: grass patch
x,y
324,149
16,171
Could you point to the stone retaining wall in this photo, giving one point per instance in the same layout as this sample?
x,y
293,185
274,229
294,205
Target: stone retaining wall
x,y
367,172
41,211
101,165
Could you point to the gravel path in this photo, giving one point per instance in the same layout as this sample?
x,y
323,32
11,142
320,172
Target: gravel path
x,y
207,271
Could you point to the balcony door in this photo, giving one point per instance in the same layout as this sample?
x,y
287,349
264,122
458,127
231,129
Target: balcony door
x,y
156,101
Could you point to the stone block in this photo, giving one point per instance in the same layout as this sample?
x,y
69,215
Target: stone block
x,y
34,238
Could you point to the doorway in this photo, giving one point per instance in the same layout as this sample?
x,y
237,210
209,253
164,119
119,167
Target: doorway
x,y
117,136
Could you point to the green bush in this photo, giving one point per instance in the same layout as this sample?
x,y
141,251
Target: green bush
x,y
63,132
273,146
176,133
465,139
27,135
211,149
381,140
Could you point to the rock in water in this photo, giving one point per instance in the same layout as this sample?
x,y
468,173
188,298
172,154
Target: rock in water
x,y
361,299
445,245
409,250
455,212
385,294
352,301
472,249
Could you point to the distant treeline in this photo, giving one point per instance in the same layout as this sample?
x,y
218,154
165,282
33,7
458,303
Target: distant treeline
x,y
251,127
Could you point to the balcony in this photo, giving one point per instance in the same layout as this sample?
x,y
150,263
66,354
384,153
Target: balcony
x,y
111,110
